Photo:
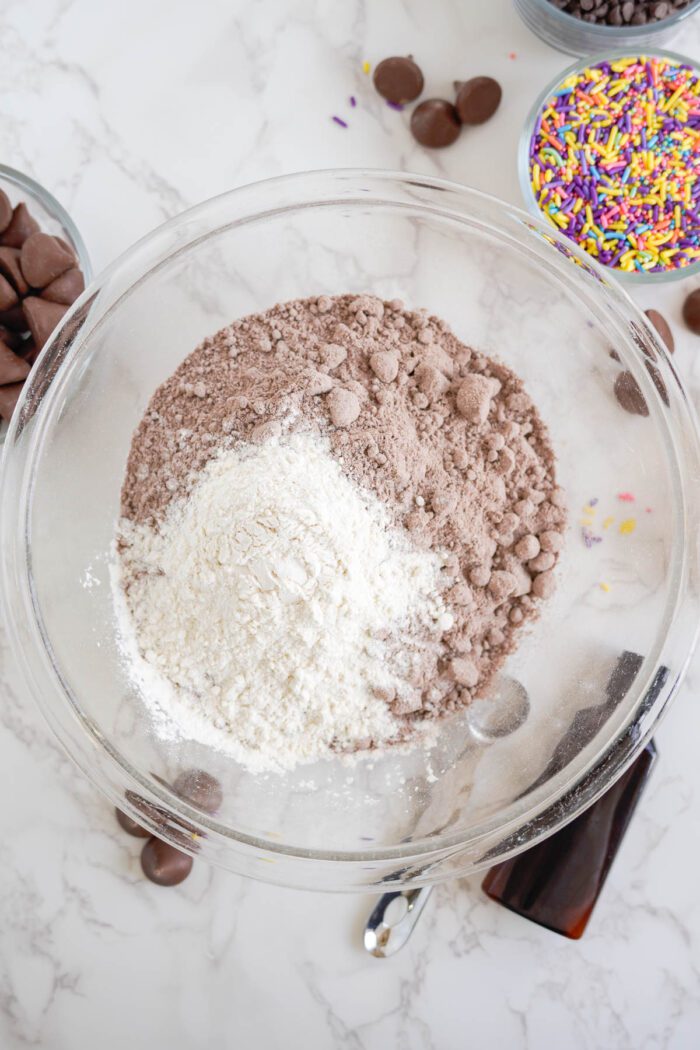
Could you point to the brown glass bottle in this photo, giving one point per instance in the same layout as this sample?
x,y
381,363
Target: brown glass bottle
x,y
557,882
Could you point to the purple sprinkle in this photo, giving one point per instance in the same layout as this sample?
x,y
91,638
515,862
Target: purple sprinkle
x,y
339,120
587,537
395,105
353,101
593,502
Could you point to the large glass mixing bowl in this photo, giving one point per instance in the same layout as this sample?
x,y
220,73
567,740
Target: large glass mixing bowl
x,y
590,680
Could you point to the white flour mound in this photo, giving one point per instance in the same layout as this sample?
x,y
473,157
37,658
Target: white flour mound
x,y
259,617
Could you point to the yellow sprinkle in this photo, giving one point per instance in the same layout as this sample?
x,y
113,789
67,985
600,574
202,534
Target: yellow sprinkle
x,y
605,587
588,510
366,67
608,522
627,526
586,521
578,204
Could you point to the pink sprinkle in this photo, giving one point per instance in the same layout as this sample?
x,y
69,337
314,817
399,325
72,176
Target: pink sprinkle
x,y
512,55
648,510
353,101
626,497
339,120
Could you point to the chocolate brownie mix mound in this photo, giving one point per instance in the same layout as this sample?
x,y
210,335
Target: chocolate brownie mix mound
x,y
444,436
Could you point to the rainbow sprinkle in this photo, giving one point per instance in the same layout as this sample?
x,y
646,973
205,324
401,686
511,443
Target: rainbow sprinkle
x,y
615,162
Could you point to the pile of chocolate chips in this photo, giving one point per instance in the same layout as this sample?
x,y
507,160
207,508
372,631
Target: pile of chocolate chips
x,y
161,862
39,279
620,12
436,122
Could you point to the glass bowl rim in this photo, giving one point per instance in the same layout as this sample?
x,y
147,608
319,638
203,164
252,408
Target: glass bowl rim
x,y
149,787
523,158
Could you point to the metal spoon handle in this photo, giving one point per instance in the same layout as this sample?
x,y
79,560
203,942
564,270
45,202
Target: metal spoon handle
x,y
390,925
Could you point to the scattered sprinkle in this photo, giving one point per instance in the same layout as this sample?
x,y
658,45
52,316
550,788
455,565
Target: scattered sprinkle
x,y
339,120
366,67
395,105
627,526
588,509
648,510
512,55
614,162
605,587
593,502
626,497
608,522
353,101
590,538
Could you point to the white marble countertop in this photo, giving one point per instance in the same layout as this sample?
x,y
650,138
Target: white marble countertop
x,y
130,112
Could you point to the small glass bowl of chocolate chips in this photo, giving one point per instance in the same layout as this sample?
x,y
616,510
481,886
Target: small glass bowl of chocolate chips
x,y
587,27
44,266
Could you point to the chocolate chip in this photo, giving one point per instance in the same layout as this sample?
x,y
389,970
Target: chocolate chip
x,y
663,328
42,317
14,318
8,296
66,288
9,396
629,396
21,226
691,311
12,339
398,80
11,269
130,826
44,259
12,368
5,211
200,788
435,123
478,99
163,864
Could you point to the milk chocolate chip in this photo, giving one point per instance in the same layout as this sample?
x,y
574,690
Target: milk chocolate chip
x,y
663,328
130,826
42,317
163,864
200,788
12,368
398,80
66,288
9,396
11,269
435,123
478,99
43,259
8,296
629,396
5,211
21,226
691,311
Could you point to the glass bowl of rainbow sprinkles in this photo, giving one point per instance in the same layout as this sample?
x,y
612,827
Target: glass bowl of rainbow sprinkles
x,y
610,156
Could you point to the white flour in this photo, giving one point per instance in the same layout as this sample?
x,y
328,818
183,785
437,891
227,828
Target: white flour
x,y
264,607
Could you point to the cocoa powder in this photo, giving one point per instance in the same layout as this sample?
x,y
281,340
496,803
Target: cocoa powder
x,y
445,436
